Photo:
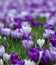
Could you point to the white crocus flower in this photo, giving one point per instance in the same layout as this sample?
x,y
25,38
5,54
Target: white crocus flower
x,y
1,62
28,62
40,42
6,57
26,27
2,50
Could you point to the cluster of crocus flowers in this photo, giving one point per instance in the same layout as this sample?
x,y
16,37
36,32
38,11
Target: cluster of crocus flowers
x,y
4,57
28,41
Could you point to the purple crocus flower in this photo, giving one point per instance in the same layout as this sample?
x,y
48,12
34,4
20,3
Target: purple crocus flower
x,y
28,36
14,58
46,57
5,31
35,23
53,39
34,54
51,27
16,25
16,33
53,53
20,62
27,43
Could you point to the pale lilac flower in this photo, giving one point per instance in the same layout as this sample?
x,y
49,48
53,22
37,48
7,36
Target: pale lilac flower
x,y
2,50
26,28
6,57
48,32
53,53
16,33
5,31
27,43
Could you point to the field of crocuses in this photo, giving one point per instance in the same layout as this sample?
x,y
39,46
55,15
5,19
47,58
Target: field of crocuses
x,y
27,32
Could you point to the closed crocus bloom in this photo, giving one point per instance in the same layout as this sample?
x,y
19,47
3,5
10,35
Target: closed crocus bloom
x,y
2,50
26,27
14,58
28,36
15,33
27,43
29,62
1,62
5,31
45,57
40,42
53,39
6,57
20,62
34,54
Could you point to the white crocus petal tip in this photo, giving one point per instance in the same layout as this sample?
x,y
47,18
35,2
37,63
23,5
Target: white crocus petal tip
x,y
40,42
1,62
29,62
6,57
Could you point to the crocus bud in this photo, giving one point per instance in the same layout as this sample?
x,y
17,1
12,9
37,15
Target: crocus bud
x,y
40,42
2,50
